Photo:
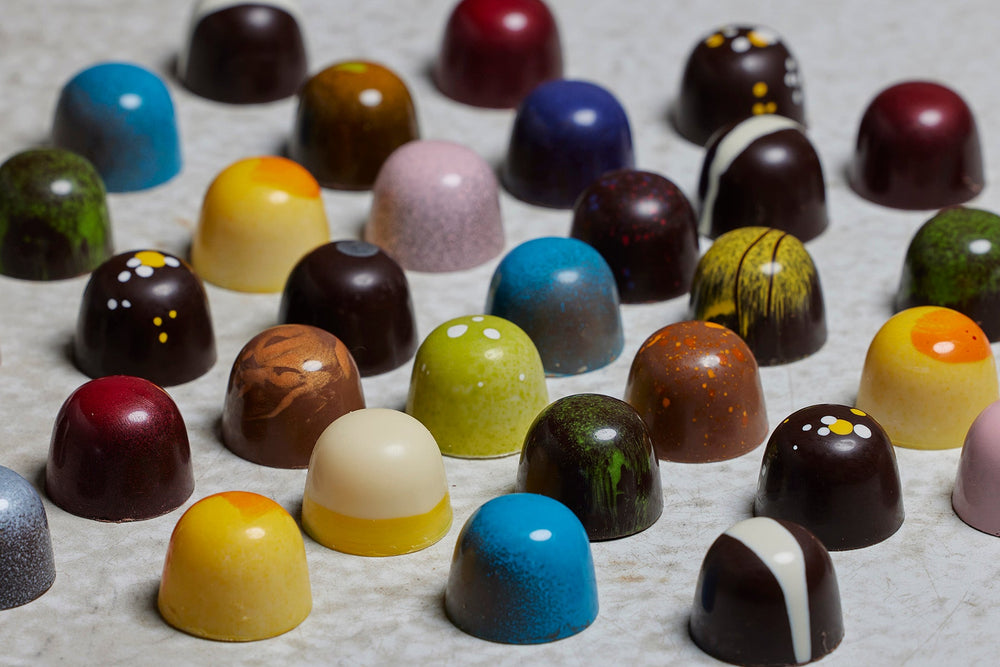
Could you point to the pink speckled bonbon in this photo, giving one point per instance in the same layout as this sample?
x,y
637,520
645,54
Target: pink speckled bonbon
x,y
977,485
436,208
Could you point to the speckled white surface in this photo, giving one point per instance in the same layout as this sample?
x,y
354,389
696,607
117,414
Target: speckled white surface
x,y
926,596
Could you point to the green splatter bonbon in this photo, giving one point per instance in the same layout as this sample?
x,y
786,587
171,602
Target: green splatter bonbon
x,y
54,220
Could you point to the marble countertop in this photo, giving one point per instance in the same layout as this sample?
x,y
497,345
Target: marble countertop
x,y
925,596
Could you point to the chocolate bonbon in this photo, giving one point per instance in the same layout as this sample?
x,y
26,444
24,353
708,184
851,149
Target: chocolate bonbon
x,y
593,453
977,483
54,219
762,171
119,452
563,294
566,134
954,261
145,313
120,117
259,217
767,594
736,72
243,52
477,384
645,228
494,52
27,567
287,384
697,387
436,207
761,283
351,117
359,294
928,373
917,148
235,570
376,486
832,469
522,572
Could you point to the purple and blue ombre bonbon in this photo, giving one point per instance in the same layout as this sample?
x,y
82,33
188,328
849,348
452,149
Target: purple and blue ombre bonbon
x,y
566,134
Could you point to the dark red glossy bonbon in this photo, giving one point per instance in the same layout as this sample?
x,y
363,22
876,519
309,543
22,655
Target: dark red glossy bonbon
x,y
645,228
244,52
494,52
145,313
832,469
917,148
119,452
359,294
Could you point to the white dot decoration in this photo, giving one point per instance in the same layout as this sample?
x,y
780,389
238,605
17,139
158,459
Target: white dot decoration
x,y
312,365
133,262
124,276
457,330
171,261
144,271
862,431
828,419
478,318
823,431
740,44
491,333
126,303
807,427
540,535
112,304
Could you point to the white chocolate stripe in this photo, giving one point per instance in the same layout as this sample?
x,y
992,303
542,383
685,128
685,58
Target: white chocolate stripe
x,y
731,147
780,552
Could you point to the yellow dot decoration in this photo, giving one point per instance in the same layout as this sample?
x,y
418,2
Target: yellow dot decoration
x,y
757,109
172,314
715,40
841,427
157,321
757,39
151,258
163,337
859,412
759,89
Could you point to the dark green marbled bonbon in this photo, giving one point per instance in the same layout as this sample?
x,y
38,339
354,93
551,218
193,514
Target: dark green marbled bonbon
x,y
54,220
593,453
954,261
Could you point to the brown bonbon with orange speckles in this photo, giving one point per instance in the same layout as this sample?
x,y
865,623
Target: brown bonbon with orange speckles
x,y
697,387
288,384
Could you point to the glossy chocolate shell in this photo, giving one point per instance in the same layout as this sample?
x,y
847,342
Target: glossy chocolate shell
x,y
645,228
145,313
832,469
593,453
359,294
